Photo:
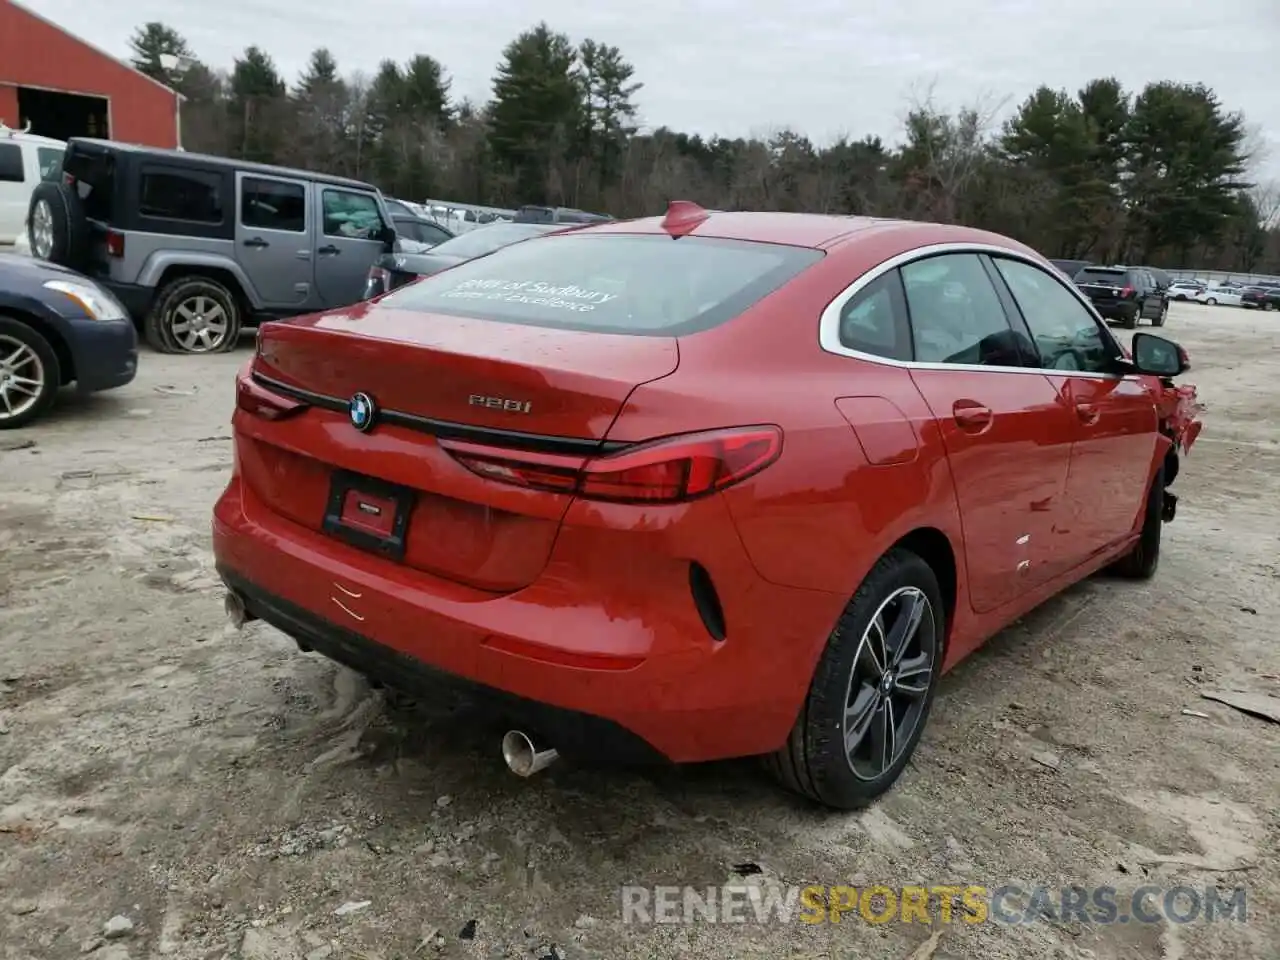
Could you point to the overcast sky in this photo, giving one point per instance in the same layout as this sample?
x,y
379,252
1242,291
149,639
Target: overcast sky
x,y
735,67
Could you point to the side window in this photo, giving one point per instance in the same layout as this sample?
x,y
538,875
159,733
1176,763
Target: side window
x,y
874,321
352,215
11,163
173,194
50,161
957,316
1066,335
430,233
273,205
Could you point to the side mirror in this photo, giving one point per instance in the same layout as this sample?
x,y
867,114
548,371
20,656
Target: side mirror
x,y
1158,357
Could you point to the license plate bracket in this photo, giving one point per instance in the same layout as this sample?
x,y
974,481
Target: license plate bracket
x,y
368,513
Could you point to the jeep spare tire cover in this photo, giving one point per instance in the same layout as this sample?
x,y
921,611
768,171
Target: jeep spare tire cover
x,y
56,225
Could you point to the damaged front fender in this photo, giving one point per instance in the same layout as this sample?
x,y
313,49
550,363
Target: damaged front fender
x,y
1180,412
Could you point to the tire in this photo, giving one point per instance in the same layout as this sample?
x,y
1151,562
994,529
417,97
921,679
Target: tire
x,y
1141,562
814,761
1211,302
56,225
29,381
1268,306
182,305
1161,317
1130,322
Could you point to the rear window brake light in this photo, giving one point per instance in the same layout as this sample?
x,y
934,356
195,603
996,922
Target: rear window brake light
x,y
670,470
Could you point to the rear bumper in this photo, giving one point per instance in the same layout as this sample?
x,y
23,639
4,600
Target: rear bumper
x,y
573,733
136,299
542,654
1116,311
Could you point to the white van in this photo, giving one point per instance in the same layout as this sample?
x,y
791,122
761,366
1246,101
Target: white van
x,y
25,160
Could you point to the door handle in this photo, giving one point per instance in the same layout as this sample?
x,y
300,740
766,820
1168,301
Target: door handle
x,y
329,250
972,416
1087,412
256,242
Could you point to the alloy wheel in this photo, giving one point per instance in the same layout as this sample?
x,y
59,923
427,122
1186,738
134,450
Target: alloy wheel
x,y
42,230
199,324
889,684
22,377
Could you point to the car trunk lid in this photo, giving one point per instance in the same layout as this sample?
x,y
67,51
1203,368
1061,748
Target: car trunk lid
x,y
431,378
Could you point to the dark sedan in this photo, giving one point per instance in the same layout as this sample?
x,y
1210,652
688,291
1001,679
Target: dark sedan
x,y
1263,297
394,270
56,328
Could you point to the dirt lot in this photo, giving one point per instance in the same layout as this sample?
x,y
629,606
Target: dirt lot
x,y
228,795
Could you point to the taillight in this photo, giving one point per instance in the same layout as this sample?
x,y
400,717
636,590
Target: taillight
x,y
252,397
115,244
663,471
1126,292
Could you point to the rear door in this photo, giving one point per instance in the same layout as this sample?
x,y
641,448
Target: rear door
x,y
1006,429
273,239
348,245
1113,418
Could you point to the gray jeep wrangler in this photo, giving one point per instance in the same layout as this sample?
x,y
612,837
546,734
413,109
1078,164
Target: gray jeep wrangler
x,y
196,247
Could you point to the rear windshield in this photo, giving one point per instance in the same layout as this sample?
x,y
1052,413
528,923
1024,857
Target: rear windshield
x,y
648,285
1101,275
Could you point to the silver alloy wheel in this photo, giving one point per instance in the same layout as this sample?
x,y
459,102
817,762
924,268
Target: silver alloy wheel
x,y
22,377
199,324
42,230
889,683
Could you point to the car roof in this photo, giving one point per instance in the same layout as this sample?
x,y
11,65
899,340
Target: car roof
x,y
815,230
17,136
204,159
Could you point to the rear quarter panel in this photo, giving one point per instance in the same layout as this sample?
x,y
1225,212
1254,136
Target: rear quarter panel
x,y
821,516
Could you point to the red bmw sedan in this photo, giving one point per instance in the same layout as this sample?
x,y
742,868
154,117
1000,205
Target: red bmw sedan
x,y
700,486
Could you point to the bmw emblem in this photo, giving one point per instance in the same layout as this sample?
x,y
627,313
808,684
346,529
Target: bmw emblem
x,y
361,410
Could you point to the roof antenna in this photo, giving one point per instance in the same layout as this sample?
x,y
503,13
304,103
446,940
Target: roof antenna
x,y
683,217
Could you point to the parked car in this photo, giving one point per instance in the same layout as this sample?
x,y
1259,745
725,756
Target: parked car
x,y
1126,294
1227,294
531,213
395,269
701,486
25,161
57,328
1261,297
415,227
1185,289
1070,267
197,246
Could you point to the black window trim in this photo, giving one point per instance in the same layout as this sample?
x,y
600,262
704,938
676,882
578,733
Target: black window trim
x,y
829,321
165,169
243,176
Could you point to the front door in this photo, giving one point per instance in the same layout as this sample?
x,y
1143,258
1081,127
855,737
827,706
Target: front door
x,y
1006,432
1113,417
273,240
350,243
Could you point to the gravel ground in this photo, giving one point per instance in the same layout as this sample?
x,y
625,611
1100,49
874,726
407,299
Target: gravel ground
x,y
169,787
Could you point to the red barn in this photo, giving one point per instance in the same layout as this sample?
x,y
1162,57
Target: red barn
x,y
65,87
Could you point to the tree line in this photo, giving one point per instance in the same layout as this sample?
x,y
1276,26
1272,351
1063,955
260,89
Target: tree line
x,y
1157,176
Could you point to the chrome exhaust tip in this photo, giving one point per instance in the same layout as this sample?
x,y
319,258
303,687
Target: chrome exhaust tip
x,y
236,610
522,757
